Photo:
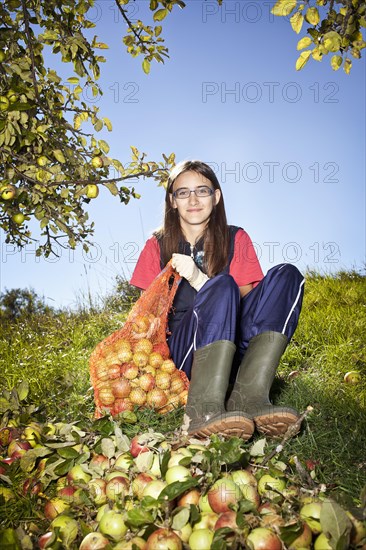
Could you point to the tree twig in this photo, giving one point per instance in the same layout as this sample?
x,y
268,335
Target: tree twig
x,y
291,432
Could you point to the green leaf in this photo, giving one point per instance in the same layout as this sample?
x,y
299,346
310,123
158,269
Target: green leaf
x,y
159,15
257,449
64,467
23,390
158,30
284,7
58,154
296,21
68,452
291,532
73,80
138,517
108,447
336,524
336,62
107,123
303,43
177,488
347,66
4,405
312,16
146,66
28,460
112,187
98,126
181,518
332,41
302,60
9,540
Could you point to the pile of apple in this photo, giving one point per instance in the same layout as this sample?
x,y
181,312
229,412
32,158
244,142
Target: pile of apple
x,y
153,493
135,372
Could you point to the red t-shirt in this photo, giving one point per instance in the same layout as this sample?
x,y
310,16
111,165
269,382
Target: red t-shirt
x,y
244,267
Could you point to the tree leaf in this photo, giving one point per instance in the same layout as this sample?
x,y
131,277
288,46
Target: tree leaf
x,y
138,517
181,518
23,390
146,66
58,154
336,524
28,460
108,447
296,21
177,488
302,60
257,449
284,7
303,43
336,62
159,15
312,16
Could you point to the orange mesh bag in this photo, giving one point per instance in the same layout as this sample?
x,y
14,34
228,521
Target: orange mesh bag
x,y
133,365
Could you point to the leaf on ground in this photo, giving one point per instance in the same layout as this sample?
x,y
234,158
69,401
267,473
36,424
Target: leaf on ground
x,y
336,524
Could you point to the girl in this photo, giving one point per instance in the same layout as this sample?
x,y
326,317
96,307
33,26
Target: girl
x,y
228,321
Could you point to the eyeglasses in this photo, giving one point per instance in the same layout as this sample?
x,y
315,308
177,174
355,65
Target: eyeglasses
x,y
184,192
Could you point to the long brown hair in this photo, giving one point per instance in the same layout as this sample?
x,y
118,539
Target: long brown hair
x,y
216,234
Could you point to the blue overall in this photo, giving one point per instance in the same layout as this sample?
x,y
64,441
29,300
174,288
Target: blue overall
x,y
218,313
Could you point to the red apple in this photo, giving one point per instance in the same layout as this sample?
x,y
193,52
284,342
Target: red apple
x,y
48,540
191,497
139,483
99,462
94,541
263,539
227,519
304,540
97,490
54,507
117,488
18,448
223,494
164,539
136,448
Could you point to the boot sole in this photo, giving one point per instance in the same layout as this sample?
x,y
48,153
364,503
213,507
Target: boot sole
x,y
276,423
232,427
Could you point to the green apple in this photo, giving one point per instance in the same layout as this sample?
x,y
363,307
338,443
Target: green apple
x,y
8,192
177,473
92,191
4,103
113,525
352,377
68,527
322,543
268,482
201,539
18,218
42,161
97,162
310,513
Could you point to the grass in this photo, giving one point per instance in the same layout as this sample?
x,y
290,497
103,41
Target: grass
x,y
52,351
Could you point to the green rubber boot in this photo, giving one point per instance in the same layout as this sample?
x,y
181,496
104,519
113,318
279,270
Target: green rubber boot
x,y
205,412
253,383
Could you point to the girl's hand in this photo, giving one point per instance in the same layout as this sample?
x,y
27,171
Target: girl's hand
x,y
186,268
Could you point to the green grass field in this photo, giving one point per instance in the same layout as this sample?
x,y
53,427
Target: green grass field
x,y
51,352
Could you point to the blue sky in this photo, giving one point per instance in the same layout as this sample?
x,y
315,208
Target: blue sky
x,y
287,146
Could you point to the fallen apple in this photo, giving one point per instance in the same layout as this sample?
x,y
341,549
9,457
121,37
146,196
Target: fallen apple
x,y
177,473
310,513
322,542
113,525
139,483
304,540
94,541
116,488
223,494
226,519
154,488
261,538
352,377
164,539
270,486
68,528
78,475
136,447
55,507
201,539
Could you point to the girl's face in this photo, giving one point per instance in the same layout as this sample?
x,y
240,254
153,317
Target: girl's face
x,y
193,210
